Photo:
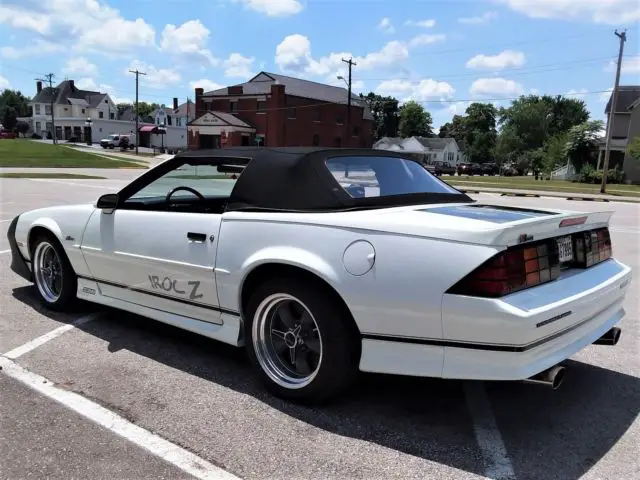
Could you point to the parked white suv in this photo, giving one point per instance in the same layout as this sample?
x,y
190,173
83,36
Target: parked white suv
x,y
113,141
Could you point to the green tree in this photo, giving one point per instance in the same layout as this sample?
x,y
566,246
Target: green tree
x,y
9,118
385,114
415,121
582,143
456,128
565,113
480,132
633,149
555,152
22,127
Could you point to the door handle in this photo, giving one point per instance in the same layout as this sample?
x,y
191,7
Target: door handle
x,y
197,237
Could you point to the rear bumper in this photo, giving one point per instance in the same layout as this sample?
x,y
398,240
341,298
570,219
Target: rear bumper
x,y
19,264
512,338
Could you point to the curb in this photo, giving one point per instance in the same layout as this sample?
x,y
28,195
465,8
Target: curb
x,y
567,195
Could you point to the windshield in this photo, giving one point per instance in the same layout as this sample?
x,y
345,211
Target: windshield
x,y
365,177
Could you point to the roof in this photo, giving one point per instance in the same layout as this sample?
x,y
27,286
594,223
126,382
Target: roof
x,y
227,118
435,143
187,109
261,85
297,179
627,95
66,93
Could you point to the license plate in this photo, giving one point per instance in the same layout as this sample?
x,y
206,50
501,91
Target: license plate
x,y
565,249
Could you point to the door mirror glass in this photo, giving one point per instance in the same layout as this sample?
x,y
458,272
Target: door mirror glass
x,y
109,200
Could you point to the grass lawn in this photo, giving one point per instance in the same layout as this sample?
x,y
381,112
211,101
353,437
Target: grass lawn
x,y
27,153
529,183
47,175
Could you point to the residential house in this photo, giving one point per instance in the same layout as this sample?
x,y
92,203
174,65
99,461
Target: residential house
x,y
430,149
625,127
280,111
72,107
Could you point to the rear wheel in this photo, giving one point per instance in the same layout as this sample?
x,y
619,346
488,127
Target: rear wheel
x,y
54,278
299,339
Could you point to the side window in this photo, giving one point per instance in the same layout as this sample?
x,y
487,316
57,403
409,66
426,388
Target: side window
x,y
213,182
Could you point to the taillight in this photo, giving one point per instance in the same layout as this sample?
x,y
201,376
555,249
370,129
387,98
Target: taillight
x,y
512,270
533,264
592,247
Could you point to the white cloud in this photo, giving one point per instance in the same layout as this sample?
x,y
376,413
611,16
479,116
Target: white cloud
x,y
117,35
480,19
577,94
293,55
422,91
612,12
274,8
4,83
426,39
37,47
238,66
458,108
630,66
495,86
155,77
386,26
189,39
91,24
421,23
80,66
207,85
88,83
505,59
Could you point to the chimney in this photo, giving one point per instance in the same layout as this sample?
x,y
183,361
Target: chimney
x,y
175,103
39,86
72,85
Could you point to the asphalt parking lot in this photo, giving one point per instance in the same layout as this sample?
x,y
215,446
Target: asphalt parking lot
x,y
201,396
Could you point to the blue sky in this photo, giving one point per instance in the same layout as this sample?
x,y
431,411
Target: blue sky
x,y
441,53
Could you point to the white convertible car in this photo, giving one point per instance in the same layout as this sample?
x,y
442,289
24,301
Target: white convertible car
x,y
326,262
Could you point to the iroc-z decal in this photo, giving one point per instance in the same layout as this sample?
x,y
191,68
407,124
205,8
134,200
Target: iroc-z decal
x,y
169,285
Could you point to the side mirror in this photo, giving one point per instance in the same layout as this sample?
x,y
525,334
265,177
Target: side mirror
x,y
108,201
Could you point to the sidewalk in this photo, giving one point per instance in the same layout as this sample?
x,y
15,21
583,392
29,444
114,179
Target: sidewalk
x,y
544,193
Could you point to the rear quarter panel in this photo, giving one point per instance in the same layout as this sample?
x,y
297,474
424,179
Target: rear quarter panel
x,y
400,295
67,223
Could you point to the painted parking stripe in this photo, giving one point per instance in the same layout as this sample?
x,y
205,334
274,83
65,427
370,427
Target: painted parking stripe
x,y
4,251
171,453
497,463
41,340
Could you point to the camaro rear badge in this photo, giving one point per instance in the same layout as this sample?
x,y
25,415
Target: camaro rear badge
x,y
169,285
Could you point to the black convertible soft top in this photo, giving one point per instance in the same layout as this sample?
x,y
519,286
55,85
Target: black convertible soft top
x,y
297,179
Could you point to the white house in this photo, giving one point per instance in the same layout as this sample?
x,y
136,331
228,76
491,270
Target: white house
x,y
431,149
71,107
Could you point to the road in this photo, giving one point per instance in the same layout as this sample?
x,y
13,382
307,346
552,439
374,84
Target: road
x,y
201,398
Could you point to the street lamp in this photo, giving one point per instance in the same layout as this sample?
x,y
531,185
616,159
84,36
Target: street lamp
x,y
162,137
340,77
88,132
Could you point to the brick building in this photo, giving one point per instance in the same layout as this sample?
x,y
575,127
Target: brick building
x,y
275,110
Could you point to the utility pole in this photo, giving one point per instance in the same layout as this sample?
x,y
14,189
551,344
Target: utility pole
x,y
137,114
351,63
49,80
614,99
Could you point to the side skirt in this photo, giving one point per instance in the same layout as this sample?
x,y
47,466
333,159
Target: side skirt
x,y
227,332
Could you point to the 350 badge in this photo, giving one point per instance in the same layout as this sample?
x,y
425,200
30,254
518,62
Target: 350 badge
x,y
170,285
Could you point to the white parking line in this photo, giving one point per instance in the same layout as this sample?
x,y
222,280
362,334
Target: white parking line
x,y
73,184
171,453
4,251
498,464
41,340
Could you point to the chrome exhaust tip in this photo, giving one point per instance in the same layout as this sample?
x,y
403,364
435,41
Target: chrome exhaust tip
x,y
610,338
552,377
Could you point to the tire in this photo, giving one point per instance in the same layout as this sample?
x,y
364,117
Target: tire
x,y
62,294
337,360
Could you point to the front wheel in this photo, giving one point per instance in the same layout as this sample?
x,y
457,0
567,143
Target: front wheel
x,y
54,278
299,339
